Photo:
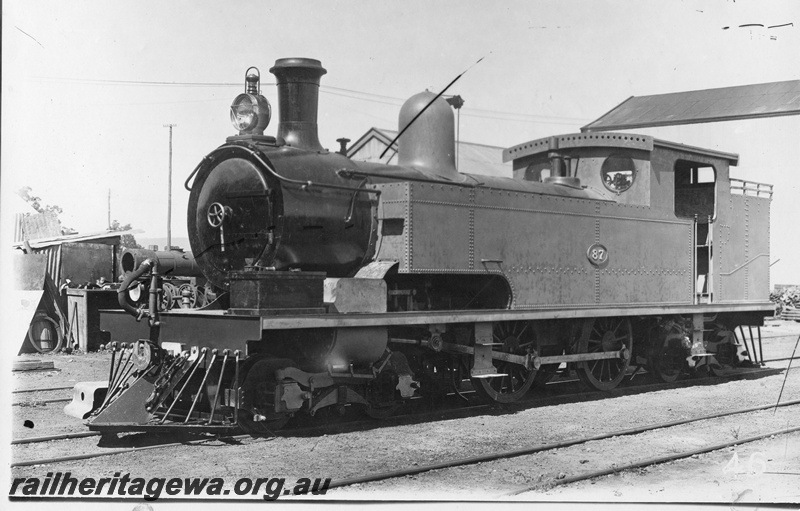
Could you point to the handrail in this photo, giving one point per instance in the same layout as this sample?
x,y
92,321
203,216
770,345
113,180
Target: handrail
x,y
304,185
745,264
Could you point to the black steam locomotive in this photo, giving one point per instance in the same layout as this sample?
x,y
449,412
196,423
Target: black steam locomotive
x,y
349,284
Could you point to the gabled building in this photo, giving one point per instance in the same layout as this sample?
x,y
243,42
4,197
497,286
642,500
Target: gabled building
x,y
470,158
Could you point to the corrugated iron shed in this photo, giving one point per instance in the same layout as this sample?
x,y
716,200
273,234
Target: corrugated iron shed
x,y
103,237
473,158
709,105
79,262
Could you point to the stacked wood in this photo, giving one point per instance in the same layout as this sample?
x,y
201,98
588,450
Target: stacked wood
x,y
787,303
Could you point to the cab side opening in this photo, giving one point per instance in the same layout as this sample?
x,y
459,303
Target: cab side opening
x,y
695,198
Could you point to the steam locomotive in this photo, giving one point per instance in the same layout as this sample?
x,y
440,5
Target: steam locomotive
x,y
342,284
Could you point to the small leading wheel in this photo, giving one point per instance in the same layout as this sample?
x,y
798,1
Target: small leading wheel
x,y
599,335
515,337
257,415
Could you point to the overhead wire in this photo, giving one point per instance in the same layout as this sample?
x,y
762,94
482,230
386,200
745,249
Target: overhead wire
x,y
334,91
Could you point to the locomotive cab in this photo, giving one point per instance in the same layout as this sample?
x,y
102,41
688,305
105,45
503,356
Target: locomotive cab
x,y
672,183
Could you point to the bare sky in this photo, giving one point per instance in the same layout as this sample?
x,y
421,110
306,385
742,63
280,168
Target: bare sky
x,y
87,86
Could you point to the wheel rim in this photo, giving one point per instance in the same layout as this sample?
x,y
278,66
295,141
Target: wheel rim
x,y
168,296
517,338
192,294
258,396
724,346
44,334
605,334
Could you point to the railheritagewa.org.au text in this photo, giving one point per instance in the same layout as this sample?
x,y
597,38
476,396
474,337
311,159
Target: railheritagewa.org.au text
x,y
63,484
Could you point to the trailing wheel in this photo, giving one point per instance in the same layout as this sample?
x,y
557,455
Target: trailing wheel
x,y
727,350
668,363
668,352
511,337
603,335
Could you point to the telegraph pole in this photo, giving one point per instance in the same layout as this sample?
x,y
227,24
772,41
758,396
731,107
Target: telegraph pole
x,y
109,208
169,190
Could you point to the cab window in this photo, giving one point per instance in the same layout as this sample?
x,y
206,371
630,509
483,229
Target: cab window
x,y
694,190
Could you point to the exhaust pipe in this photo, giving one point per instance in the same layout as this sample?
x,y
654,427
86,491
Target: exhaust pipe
x,y
298,99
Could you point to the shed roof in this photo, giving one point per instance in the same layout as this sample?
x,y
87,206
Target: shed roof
x,y
103,237
709,105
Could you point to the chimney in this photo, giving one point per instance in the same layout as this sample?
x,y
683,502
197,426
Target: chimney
x,y
298,97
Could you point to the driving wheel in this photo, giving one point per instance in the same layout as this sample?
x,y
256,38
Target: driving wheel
x,y
603,335
511,337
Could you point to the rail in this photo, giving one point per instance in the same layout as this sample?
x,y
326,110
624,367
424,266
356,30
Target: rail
x,y
750,188
533,449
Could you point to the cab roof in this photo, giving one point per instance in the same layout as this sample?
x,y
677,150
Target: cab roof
x,y
606,139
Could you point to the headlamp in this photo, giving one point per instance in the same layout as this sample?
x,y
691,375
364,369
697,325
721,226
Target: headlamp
x,y
250,111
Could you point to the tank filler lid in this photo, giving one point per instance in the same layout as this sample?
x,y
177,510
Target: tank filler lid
x,y
545,145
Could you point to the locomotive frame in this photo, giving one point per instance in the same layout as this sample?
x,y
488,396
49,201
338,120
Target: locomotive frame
x,y
357,284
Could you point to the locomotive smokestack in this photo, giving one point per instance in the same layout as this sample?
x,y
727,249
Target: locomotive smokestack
x,y
298,98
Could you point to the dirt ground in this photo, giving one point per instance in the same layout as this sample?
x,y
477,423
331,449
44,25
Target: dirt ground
x,y
766,471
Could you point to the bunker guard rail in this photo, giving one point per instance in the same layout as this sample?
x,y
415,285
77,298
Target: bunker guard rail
x,y
750,188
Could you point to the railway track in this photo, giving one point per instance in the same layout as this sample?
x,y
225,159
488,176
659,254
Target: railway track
x,y
558,392
50,438
42,402
49,389
651,461
38,402
472,460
